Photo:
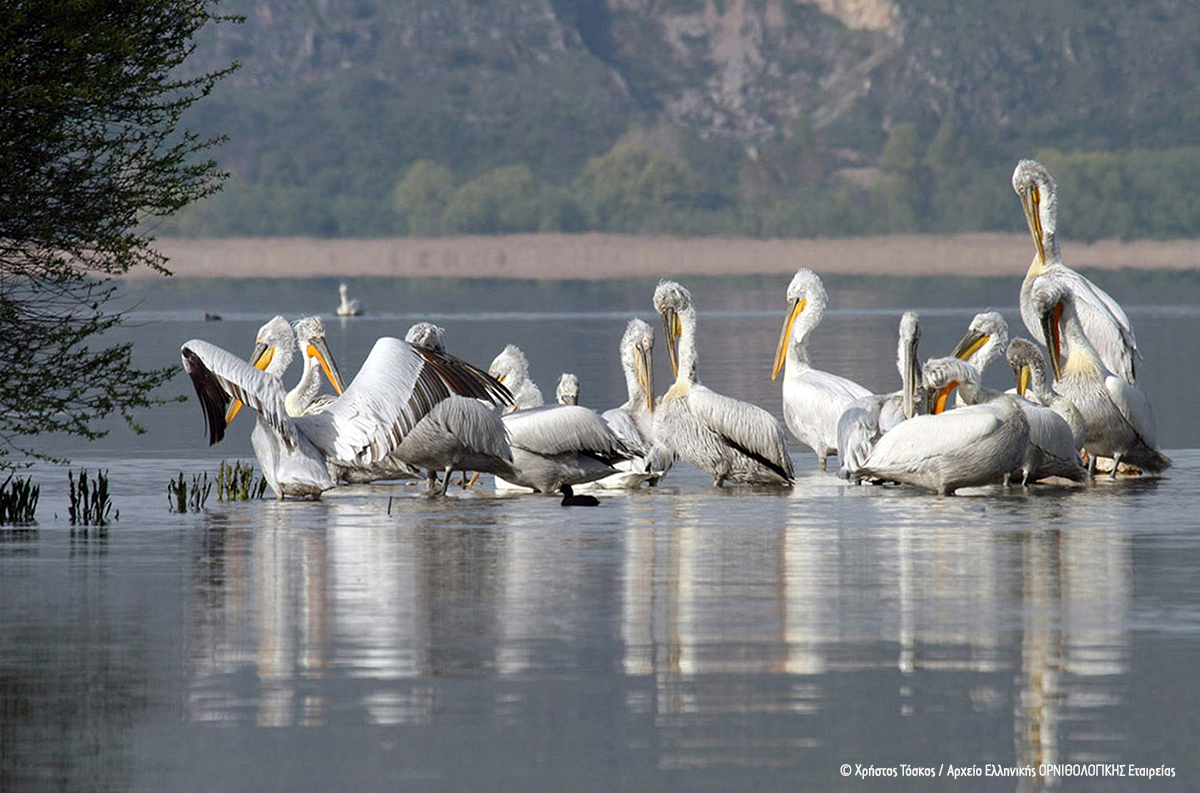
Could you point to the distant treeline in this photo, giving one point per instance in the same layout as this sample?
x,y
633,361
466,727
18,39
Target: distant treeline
x,y
788,189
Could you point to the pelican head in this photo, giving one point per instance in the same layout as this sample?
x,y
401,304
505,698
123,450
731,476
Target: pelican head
x,y
906,361
806,296
310,338
273,348
426,334
986,337
674,304
637,347
510,367
1052,300
1035,187
942,376
567,392
1029,368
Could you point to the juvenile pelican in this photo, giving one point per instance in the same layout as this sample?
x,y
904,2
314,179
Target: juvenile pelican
x,y
348,307
1029,372
867,418
1100,316
633,422
727,438
943,451
813,400
397,385
511,367
1050,451
567,392
458,434
1120,421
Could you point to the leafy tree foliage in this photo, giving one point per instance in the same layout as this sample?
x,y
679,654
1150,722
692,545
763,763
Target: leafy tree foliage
x,y
636,188
420,198
91,152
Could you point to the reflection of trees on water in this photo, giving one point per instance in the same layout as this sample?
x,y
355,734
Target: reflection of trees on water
x,y
710,611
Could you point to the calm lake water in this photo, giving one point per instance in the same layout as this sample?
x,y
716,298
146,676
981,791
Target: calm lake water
x,y
681,638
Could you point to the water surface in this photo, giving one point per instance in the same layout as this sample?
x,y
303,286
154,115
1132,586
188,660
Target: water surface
x,y
682,638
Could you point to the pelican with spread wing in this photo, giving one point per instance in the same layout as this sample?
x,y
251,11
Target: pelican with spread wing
x,y
729,439
1100,316
813,400
397,385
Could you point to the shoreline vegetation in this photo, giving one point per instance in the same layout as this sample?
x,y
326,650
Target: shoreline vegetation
x,y
614,256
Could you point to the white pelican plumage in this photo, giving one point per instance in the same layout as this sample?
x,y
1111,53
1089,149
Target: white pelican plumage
x,y
1120,421
348,307
1103,320
633,422
944,451
458,434
1051,450
813,400
305,397
397,385
986,340
1029,372
729,439
567,392
866,419
556,445
511,367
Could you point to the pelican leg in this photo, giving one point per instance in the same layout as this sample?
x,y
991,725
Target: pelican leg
x,y
471,484
719,481
446,478
432,482
1116,465
820,462
1091,465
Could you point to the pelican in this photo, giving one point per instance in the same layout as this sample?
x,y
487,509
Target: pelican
x,y
305,397
556,445
1103,320
567,392
348,307
1051,450
633,422
985,340
943,451
813,400
727,438
1120,421
511,367
866,419
1029,371
459,433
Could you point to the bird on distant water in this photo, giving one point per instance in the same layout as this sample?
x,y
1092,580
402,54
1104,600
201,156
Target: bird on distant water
x,y
567,392
1103,320
570,499
729,439
348,307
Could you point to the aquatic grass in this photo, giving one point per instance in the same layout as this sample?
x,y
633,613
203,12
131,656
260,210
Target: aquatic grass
x,y
237,482
181,498
18,501
90,504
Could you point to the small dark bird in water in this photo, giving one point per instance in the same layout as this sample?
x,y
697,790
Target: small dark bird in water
x,y
211,317
572,500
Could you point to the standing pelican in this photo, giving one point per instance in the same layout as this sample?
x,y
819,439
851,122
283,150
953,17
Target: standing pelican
x,y
727,438
511,367
556,445
397,385
1101,317
348,307
866,419
459,433
633,422
1051,450
567,392
943,451
1120,421
813,400
1029,372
